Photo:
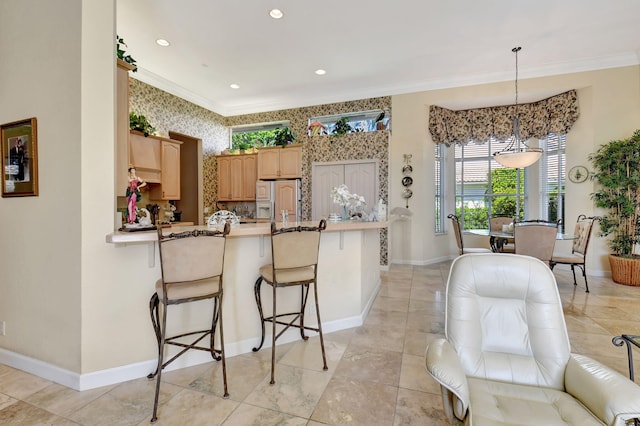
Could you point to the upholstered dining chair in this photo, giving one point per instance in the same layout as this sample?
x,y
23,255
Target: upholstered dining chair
x,y
578,255
503,245
506,357
536,239
191,264
457,230
295,253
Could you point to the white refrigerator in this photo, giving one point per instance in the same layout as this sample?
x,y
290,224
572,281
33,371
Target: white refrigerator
x,y
274,196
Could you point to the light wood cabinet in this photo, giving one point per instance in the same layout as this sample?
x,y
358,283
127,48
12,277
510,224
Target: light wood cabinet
x,y
122,127
237,177
157,162
169,188
249,177
286,198
146,156
280,163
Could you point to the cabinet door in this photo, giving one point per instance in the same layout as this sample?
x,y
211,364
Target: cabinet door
x,y
286,198
269,163
145,155
170,171
325,178
235,177
249,177
361,179
291,162
224,184
263,190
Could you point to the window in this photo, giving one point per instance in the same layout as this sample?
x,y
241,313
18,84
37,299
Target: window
x,y
552,188
352,122
484,188
438,188
255,135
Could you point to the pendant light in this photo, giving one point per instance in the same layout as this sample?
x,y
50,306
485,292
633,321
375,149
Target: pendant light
x,y
517,154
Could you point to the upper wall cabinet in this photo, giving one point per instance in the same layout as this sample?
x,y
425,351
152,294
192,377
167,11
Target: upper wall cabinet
x,y
280,163
157,161
237,177
146,156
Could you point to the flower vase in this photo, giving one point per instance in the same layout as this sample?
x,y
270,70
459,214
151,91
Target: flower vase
x,y
345,215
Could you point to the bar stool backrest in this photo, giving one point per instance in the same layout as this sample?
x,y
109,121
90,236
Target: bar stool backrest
x,y
192,255
295,247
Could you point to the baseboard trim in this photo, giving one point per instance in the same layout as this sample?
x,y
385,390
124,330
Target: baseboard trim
x,y
111,376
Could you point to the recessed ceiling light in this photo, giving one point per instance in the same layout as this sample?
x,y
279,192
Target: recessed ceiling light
x,y
234,86
162,42
320,71
276,13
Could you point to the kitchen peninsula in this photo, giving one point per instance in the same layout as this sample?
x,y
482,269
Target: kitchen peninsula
x,y
348,280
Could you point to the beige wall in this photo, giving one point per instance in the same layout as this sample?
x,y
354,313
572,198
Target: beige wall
x,y
41,236
68,298
609,108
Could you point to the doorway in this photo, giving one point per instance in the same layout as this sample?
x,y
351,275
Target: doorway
x,y
191,178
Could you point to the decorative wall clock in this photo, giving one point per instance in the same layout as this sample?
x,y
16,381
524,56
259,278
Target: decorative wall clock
x,y
578,174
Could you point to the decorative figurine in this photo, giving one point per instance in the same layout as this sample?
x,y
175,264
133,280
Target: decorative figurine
x,y
133,193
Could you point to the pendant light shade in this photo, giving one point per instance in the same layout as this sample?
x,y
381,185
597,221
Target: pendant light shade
x,y
517,154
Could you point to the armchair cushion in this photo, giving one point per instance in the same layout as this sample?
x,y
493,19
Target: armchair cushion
x,y
444,366
607,393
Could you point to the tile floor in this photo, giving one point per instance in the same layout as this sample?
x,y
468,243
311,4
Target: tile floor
x,y
376,372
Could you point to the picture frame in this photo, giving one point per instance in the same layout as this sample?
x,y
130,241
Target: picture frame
x,y
19,158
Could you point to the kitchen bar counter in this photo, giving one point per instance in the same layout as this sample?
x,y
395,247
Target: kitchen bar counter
x,y
242,230
348,281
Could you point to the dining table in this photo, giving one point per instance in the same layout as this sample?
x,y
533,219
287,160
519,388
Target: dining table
x,y
495,236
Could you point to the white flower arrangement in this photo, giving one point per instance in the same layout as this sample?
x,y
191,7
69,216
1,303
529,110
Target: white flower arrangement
x,y
343,197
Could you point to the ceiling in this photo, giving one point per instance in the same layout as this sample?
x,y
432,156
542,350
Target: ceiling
x,y
368,48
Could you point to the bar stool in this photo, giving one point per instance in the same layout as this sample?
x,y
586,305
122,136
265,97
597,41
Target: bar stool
x,y
191,264
295,263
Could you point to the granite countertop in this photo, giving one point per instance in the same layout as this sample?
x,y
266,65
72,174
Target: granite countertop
x,y
242,230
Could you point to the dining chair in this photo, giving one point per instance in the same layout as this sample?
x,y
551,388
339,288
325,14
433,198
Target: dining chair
x,y
498,244
191,265
578,255
536,239
457,230
295,253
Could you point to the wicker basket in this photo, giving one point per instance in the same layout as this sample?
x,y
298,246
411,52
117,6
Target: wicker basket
x,y
625,270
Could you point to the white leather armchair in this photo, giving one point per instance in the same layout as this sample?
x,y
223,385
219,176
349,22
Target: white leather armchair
x,y
506,358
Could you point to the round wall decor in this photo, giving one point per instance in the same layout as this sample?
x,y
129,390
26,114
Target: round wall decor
x,y
578,174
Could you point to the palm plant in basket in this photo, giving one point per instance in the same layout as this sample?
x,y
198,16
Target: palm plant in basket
x,y
617,170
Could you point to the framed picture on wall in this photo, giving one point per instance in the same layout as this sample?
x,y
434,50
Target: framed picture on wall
x,y
19,158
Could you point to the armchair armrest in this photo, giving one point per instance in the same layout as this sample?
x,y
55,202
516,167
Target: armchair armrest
x,y
608,394
444,366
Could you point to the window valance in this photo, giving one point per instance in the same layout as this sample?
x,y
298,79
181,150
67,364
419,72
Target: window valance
x,y
556,114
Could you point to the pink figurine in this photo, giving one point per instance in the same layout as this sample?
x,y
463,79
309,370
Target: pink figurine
x,y
133,194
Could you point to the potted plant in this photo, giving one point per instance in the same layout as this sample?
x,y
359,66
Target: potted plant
x,y
617,170
140,123
122,54
284,136
342,127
